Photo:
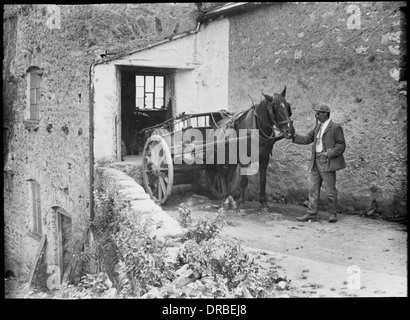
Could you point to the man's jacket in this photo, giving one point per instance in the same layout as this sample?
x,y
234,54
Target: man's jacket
x,y
333,145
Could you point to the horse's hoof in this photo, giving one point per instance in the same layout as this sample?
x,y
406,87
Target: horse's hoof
x,y
233,205
264,210
241,212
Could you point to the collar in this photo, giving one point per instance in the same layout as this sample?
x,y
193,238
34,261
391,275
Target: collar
x,y
325,124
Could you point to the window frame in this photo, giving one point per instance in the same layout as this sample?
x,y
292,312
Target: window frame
x,y
35,208
154,92
34,80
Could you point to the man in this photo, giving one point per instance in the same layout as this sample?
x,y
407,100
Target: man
x,y
327,157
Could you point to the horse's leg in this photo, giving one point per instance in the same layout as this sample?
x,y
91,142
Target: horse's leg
x,y
221,174
231,171
263,165
241,200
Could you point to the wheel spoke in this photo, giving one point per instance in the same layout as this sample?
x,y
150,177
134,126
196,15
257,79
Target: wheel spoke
x,y
148,160
164,176
162,185
158,169
155,151
161,159
159,190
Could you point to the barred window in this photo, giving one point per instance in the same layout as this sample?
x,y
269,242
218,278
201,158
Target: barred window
x,y
34,80
149,91
35,204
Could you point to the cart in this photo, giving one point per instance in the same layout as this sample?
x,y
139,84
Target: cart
x,y
166,153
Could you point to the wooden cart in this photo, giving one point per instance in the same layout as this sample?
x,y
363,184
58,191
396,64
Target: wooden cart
x,y
166,153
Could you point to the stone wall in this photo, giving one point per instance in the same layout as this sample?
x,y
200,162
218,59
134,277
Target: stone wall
x,y
317,50
124,189
347,55
63,41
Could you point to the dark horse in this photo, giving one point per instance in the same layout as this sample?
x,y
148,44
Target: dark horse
x,y
270,115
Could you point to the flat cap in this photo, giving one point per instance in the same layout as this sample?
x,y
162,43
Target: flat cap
x,y
322,108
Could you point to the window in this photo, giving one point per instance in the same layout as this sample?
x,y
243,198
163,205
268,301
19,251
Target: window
x,y
149,91
34,84
35,205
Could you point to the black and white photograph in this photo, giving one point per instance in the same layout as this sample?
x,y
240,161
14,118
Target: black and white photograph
x,y
205,156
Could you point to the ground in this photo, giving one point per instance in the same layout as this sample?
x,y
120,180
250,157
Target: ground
x,y
317,257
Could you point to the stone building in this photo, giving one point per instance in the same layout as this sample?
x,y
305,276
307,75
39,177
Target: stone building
x,y
72,73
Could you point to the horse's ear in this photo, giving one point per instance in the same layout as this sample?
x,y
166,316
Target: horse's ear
x,y
269,98
283,94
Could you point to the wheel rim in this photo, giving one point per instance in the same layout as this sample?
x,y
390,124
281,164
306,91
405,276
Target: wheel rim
x,y
157,169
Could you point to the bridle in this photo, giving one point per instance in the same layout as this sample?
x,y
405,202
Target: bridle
x,y
275,125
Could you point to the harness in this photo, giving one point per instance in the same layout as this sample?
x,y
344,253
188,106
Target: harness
x,y
264,137
269,138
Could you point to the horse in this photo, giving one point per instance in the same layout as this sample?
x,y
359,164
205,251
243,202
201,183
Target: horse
x,y
270,115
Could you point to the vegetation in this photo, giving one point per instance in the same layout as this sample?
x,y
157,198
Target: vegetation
x,y
124,260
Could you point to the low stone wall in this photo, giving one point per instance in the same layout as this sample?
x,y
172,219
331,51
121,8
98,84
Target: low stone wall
x,y
122,187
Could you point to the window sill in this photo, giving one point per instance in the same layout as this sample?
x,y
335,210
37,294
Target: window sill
x,y
31,124
34,235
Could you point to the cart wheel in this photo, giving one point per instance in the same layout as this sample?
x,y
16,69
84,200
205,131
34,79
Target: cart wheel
x,y
213,180
157,169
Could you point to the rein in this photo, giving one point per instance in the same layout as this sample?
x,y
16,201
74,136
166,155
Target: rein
x,y
275,125
264,137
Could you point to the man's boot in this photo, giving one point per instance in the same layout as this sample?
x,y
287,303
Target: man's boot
x,y
307,217
333,217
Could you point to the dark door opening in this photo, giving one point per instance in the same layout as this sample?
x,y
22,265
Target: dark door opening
x,y
64,236
146,100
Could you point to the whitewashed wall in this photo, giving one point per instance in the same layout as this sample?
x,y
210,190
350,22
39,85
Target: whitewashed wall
x,y
201,61
106,112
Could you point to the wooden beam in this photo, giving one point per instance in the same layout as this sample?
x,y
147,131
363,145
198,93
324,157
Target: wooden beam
x,y
37,259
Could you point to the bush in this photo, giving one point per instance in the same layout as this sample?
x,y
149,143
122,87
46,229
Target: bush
x,y
136,263
90,286
100,254
228,264
202,230
142,264
185,217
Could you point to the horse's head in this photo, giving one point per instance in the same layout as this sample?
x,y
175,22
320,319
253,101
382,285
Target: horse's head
x,y
279,112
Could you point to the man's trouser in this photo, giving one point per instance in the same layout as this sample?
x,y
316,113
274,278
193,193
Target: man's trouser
x,y
318,176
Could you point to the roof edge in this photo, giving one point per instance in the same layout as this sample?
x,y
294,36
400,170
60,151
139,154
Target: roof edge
x,y
231,8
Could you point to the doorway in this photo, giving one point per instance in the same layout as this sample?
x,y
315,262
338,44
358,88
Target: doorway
x,y
64,240
146,100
